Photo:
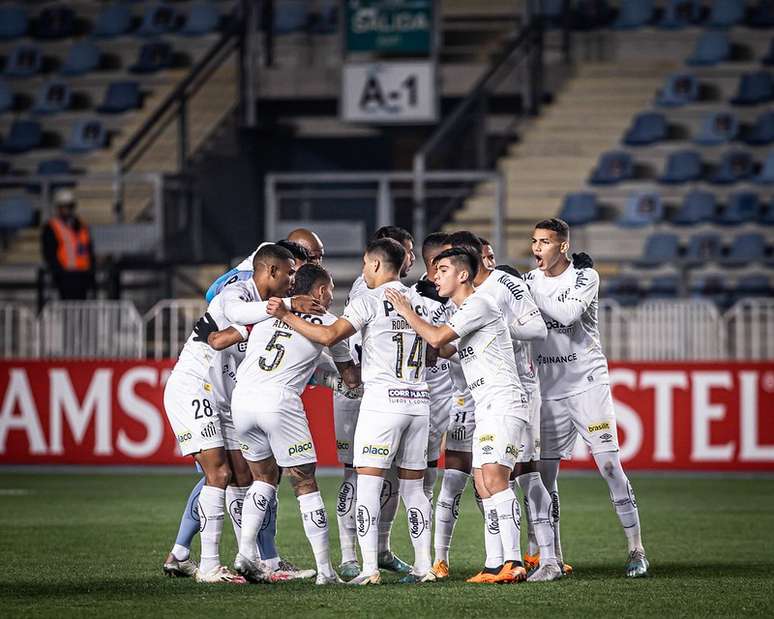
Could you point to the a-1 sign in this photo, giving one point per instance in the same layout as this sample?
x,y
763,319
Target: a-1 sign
x,y
389,92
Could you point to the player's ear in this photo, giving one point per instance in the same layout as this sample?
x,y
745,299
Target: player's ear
x,y
273,270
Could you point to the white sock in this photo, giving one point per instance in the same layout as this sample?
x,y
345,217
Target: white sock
x,y
447,511
369,490
345,515
431,474
181,553
622,496
418,513
390,499
211,506
549,471
509,516
315,520
493,545
235,497
256,504
538,504
532,546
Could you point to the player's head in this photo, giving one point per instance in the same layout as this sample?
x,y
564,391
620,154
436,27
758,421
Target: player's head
x,y
315,281
550,243
488,260
455,267
433,245
274,270
467,240
383,261
309,241
403,237
300,253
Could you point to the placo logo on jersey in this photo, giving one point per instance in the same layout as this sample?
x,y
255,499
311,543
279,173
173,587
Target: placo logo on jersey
x,y
342,445
596,427
300,448
184,437
376,450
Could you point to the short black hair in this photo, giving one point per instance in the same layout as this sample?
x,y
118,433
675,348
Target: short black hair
x,y
308,277
271,252
436,239
461,258
557,225
396,233
299,251
484,241
467,240
390,251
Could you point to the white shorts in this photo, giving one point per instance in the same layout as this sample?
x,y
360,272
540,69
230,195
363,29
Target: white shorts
x,y
230,437
462,425
273,424
381,438
190,409
531,451
345,414
440,414
498,439
589,413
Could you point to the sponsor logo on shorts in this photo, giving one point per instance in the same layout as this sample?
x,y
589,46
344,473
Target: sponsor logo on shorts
x,y
460,402
376,450
319,518
408,394
342,445
235,509
416,522
596,427
606,437
458,434
512,450
184,437
363,520
207,387
210,430
486,438
300,448
244,447
344,502
487,449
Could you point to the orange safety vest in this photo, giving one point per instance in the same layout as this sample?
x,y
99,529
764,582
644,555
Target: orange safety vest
x,y
73,247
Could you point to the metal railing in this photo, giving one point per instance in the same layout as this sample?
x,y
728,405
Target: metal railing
x,y
19,329
168,325
751,329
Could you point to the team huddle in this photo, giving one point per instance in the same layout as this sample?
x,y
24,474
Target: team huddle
x,y
501,370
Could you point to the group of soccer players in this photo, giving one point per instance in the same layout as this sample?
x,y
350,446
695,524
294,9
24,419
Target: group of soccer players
x,y
502,370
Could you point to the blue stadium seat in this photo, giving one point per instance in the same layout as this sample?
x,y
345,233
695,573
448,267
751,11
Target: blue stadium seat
x,y
591,14
113,21
766,175
121,97
735,166
681,167
745,249
153,57
52,97
158,19
290,16
641,209
659,249
625,290
766,216
664,287
580,208
680,13
6,97
726,13
712,287
325,19
697,207
742,207
202,18
711,48
83,57
762,16
762,132
85,136
754,89
680,89
647,128
16,213
24,135
13,22
752,285
703,248
613,167
768,59
54,167
24,61
55,22
633,14
717,128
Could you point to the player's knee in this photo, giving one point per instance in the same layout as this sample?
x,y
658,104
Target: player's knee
x,y
219,476
302,479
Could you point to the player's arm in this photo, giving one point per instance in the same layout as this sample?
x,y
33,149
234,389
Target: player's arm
x,y
435,336
575,302
327,335
242,312
219,340
447,351
529,324
206,330
342,357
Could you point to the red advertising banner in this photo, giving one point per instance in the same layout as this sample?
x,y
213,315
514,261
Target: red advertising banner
x,y
686,416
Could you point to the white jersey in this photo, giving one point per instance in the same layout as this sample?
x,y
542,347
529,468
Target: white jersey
x,y
463,399
393,367
439,379
570,360
486,353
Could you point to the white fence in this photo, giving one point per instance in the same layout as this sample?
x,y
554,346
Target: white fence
x,y
653,331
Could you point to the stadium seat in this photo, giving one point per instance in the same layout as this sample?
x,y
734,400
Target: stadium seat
x,y
752,285
762,16
202,18
13,22
745,249
726,13
766,217
580,208
290,16
762,132
625,290
766,175
325,19
15,213
24,61
613,167
113,21
754,89
664,287
54,167
647,128
24,135
633,14
711,48
768,59
158,19
591,14
717,128
680,13
6,97
55,22
52,97
86,136
681,167
153,57
697,207
680,89
711,287
5,167
735,166
742,207
702,249
81,58
641,209
659,249
121,97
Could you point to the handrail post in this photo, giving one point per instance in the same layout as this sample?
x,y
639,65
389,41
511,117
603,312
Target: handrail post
x,y
482,159
182,133
118,191
270,208
419,197
384,203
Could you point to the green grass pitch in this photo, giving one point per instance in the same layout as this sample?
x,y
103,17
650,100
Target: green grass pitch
x,y
92,545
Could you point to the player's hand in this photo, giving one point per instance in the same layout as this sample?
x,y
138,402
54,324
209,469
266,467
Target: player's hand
x,y
276,307
203,327
399,302
304,304
582,260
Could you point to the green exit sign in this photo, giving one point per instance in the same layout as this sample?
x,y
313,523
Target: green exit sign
x,y
389,26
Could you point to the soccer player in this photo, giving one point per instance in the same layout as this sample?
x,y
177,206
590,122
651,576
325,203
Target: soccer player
x,y
486,354
272,425
574,381
393,418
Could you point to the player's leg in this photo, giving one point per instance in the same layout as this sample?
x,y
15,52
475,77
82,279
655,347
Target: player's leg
x,y
241,477
345,414
179,563
537,502
493,547
390,500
